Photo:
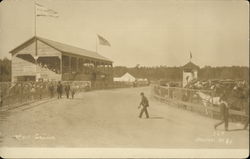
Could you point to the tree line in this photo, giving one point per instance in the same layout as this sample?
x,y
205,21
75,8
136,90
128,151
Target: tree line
x,y
158,72
175,73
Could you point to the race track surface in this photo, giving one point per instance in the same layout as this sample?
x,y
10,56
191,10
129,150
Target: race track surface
x,y
109,118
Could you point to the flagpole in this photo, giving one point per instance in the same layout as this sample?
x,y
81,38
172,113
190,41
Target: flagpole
x,y
96,43
35,27
36,58
35,16
190,55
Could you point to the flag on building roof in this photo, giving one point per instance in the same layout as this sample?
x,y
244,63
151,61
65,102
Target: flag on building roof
x,y
43,11
103,41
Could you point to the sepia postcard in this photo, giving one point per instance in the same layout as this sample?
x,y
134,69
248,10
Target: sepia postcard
x,y
124,79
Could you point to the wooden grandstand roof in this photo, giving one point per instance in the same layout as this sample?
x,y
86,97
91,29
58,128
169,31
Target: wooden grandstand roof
x,y
64,48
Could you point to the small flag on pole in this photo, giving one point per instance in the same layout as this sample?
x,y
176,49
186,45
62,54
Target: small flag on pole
x,y
103,41
190,55
43,11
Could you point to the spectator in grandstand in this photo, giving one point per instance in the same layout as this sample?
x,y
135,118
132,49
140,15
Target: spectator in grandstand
x,y
59,90
67,89
144,103
224,110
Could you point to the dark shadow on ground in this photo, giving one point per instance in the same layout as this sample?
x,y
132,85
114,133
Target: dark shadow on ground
x,y
156,117
238,129
77,98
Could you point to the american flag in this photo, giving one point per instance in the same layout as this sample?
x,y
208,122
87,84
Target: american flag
x,y
43,11
103,41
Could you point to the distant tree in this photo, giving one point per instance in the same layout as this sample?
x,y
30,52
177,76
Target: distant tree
x,y
5,70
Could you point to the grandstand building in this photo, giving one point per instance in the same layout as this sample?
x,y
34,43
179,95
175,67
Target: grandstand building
x,y
42,59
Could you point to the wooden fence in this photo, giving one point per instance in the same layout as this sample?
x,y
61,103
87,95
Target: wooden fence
x,y
201,101
19,93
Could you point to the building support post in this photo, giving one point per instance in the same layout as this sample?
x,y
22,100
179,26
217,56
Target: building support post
x,y
70,69
61,64
77,63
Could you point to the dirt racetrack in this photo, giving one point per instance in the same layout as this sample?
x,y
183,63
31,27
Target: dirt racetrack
x,y
109,118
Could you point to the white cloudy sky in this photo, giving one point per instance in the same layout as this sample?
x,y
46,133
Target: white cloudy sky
x,y
145,32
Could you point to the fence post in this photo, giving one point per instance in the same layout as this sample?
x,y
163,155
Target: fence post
x,y
1,102
168,92
21,93
212,112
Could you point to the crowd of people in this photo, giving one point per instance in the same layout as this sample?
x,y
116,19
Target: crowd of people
x,y
21,92
231,94
52,67
212,84
237,92
69,89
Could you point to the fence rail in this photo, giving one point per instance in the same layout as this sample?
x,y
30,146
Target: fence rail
x,y
201,101
18,93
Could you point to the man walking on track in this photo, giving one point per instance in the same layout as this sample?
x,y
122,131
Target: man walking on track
x,y
224,110
144,103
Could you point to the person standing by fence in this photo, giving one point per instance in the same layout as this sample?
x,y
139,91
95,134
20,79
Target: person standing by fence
x,y
51,90
67,89
59,90
33,91
246,124
224,110
40,89
73,91
246,105
144,103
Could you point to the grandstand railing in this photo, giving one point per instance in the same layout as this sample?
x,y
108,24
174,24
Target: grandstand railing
x,y
201,101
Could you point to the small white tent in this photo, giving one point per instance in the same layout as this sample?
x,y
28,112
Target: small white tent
x,y
125,78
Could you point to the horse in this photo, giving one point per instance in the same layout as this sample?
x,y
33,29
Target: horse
x,y
206,99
